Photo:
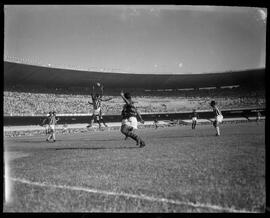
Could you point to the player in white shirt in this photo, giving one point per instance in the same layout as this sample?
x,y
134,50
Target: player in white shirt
x,y
218,117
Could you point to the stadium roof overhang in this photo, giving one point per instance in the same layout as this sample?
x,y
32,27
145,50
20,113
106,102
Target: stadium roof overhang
x,y
23,74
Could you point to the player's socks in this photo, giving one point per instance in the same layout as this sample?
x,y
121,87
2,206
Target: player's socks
x,y
91,123
218,132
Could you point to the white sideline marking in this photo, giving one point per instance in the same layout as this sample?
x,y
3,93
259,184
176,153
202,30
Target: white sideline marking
x,y
142,197
7,182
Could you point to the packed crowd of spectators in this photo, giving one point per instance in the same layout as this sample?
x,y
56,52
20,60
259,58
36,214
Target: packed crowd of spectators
x,y
63,102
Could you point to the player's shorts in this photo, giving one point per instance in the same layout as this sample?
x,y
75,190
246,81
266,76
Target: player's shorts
x,y
132,121
96,111
219,118
51,128
194,119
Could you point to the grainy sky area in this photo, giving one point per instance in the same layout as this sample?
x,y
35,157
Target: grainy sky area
x,y
167,39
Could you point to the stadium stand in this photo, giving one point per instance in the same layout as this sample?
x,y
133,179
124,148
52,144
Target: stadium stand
x,y
34,103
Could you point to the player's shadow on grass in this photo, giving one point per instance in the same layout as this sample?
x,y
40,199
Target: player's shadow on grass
x,y
94,148
63,140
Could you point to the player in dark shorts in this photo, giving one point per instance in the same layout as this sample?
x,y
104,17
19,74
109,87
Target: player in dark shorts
x,y
129,119
218,117
97,112
194,117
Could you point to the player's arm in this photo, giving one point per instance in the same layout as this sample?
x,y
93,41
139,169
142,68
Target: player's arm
x,y
44,121
101,91
50,121
92,96
139,115
56,120
108,99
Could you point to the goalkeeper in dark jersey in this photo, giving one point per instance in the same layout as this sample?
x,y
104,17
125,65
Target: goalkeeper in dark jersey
x,y
129,119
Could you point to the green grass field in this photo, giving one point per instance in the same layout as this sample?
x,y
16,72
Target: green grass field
x,y
179,170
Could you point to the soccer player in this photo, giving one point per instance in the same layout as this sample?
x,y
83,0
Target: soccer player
x,y
194,119
45,123
156,122
218,117
52,123
97,112
129,119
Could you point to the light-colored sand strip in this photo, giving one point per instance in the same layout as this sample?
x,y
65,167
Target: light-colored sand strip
x,y
128,195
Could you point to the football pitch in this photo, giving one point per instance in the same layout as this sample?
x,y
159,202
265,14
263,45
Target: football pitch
x,y
179,170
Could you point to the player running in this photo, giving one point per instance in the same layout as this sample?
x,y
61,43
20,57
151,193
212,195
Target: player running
x,y
52,122
194,117
218,117
97,112
129,119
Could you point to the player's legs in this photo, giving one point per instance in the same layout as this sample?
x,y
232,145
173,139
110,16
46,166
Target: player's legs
x,y
98,121
130,129
53,133
257,120
101,118
193,124
92,120
50,134
46,129
215,124
54,136
128,132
